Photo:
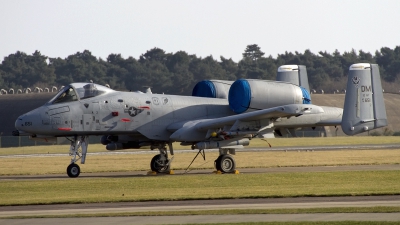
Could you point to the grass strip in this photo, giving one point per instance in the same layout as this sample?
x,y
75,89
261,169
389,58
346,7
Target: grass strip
x,y
378,209
254,143
182,187
305,223
140,162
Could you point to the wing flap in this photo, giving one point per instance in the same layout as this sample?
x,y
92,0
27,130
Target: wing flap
x,y
271,113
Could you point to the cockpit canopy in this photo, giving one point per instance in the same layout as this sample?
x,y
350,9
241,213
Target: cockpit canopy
x,y
79,91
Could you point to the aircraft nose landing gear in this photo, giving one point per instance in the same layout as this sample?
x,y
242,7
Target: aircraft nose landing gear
x,y
161,163
78,150
73,170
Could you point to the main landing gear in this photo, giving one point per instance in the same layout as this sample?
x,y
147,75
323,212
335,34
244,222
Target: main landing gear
x,y
225,162
160,163
77,151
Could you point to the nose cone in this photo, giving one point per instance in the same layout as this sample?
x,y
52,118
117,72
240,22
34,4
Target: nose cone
x,y
28,122
23,123
18,123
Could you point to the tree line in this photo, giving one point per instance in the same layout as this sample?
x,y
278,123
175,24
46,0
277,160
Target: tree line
x,y
177,73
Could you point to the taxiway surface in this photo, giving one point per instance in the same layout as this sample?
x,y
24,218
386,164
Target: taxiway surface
x,y
267,203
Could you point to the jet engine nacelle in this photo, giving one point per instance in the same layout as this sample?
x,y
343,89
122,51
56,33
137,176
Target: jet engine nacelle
x,y
212,89
248,95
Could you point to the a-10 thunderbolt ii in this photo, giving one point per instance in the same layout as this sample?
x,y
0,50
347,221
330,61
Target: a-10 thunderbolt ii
x,y
130,120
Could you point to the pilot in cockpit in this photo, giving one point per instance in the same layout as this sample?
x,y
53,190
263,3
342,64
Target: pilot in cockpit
x,y
67,96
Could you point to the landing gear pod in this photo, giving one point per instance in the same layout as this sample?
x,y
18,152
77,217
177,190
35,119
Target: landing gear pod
x,y
364,107
295,74
212,89
248,95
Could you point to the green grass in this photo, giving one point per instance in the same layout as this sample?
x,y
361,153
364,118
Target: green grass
x,y
140,162
255,143
260,159
380,209
257,223
181,187
326,141
305,223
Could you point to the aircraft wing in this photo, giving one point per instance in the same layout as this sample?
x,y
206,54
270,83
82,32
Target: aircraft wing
x,y
191,131
271,113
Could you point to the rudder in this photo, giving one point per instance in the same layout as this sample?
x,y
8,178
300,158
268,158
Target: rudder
x,y
364,107
295,74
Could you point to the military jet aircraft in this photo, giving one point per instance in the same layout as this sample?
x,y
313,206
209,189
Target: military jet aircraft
x,y
129,120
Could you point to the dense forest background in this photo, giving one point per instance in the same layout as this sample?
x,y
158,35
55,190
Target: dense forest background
x,y
177,73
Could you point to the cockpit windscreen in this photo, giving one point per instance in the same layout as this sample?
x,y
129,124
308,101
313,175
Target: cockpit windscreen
x,y
89,90
68,95
79,91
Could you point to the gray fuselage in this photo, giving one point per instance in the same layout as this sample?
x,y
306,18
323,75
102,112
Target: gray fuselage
x,y
146,116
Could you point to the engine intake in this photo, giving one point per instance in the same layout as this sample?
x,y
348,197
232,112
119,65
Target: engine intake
x,y
212,89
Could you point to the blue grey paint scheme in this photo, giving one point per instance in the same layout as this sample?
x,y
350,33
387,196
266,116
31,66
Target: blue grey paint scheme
x,y
127,120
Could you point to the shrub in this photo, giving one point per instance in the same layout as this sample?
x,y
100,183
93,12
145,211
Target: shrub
x,y
387,132
375,133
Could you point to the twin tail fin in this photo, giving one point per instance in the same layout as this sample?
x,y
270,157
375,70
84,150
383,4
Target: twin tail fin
x,y
364,107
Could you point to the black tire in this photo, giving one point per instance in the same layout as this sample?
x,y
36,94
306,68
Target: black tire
x,y
227,164
73,170
159,166
217,163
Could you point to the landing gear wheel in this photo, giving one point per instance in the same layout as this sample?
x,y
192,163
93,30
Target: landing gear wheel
x,y
158,165
225,164
73,170
217,163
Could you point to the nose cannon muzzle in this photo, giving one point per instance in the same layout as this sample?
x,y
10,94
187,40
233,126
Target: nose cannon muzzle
x,y
19,133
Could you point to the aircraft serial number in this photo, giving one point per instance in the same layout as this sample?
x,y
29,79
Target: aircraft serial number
x,y
28,124
366,100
